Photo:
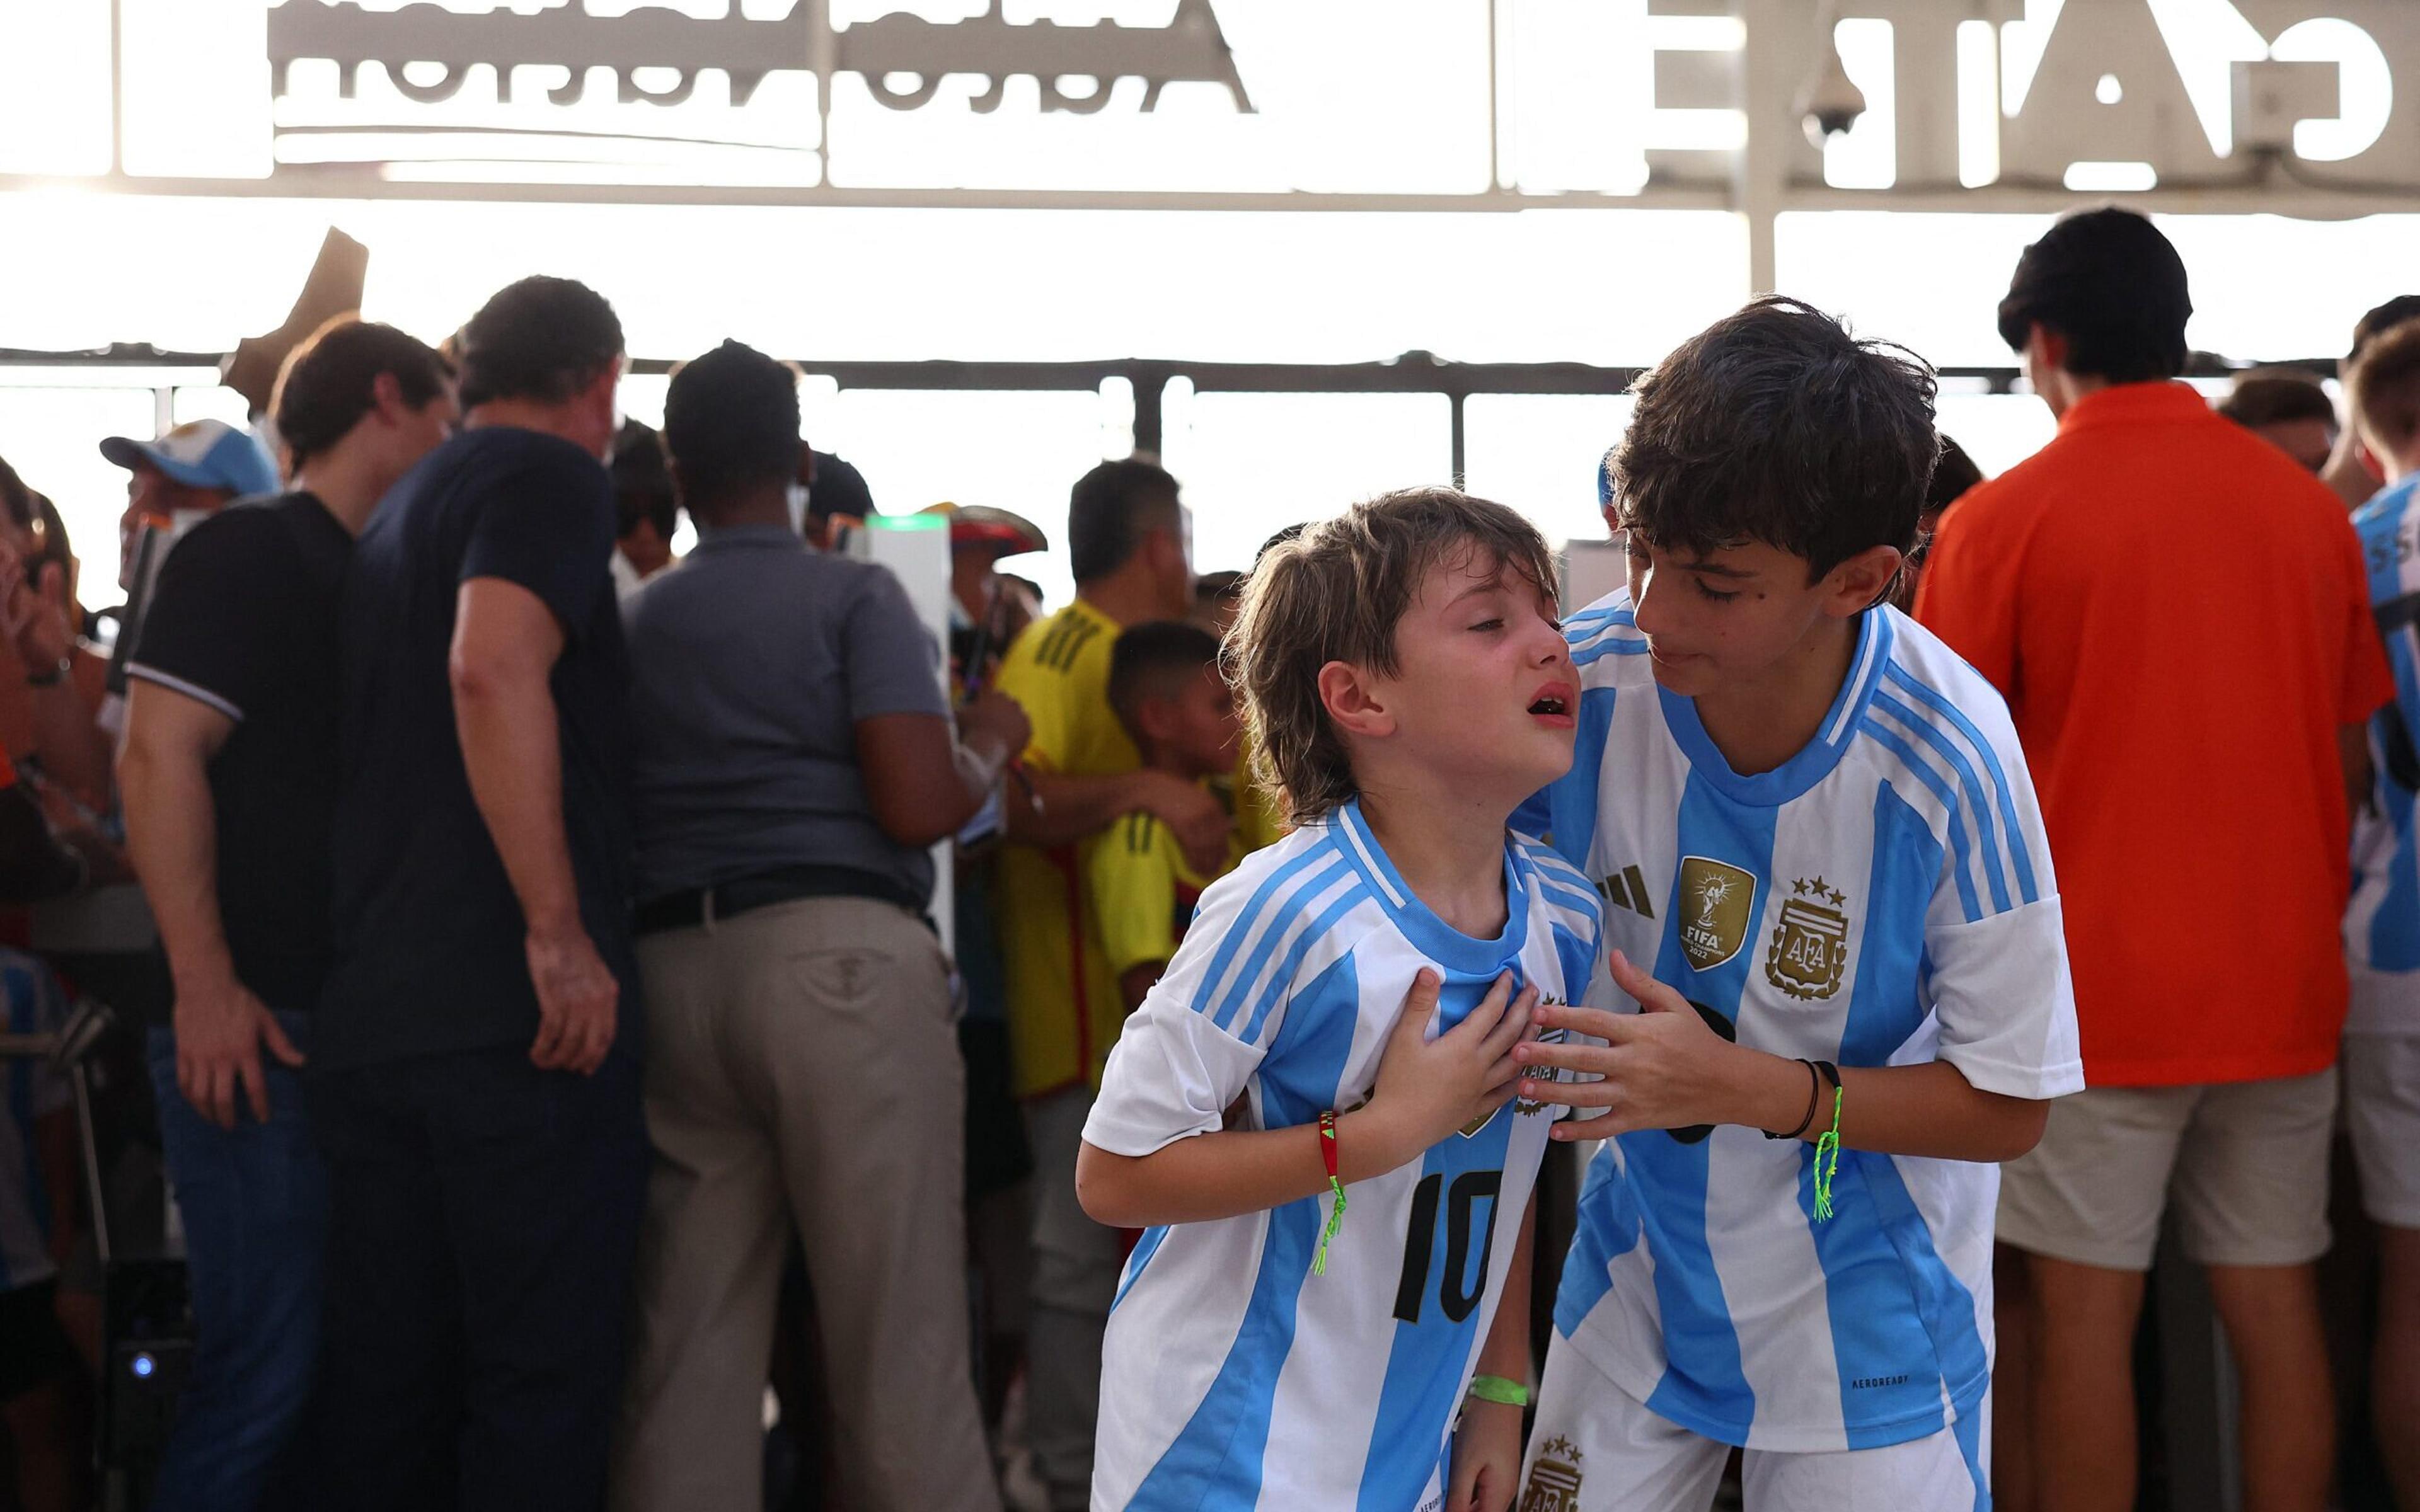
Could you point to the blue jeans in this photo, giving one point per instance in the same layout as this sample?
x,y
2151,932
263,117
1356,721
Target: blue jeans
x,y
255,1204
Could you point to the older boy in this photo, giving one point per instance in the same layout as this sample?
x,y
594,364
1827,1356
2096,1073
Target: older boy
x,y
1404,678
1833,907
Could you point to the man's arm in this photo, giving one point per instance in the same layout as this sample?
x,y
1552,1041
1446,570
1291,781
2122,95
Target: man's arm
x,y
172,837
921,782
506,643
1048,808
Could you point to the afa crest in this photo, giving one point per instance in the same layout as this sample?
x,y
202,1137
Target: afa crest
x,y
1526,1106
1523,1105
1554,1480
1810,942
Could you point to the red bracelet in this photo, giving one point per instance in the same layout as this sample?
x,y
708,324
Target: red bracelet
x,y
1329,1157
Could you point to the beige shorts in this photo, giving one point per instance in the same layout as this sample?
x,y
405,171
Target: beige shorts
x,y
2381,1093
2245,1165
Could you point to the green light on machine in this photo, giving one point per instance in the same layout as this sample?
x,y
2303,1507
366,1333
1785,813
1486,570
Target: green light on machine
x,y
907,522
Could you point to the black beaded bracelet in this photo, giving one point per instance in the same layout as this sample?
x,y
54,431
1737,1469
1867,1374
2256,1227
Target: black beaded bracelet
x,y
1814,1097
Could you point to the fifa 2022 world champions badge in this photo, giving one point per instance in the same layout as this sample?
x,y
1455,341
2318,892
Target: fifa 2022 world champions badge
x,y
1717,906
1809,951
1554,1480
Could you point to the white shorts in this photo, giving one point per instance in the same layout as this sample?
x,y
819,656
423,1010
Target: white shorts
x,y
1597,1449
2381,1102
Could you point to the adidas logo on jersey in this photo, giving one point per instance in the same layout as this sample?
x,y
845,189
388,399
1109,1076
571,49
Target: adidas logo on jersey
x,y
1627,888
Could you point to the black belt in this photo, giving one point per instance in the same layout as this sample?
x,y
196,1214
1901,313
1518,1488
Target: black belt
x,y
686,910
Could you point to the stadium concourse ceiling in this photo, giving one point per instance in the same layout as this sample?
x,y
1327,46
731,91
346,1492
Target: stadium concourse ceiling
x,y
2285,105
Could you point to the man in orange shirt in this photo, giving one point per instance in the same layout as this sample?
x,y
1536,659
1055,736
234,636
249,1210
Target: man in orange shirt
x,y
2179,618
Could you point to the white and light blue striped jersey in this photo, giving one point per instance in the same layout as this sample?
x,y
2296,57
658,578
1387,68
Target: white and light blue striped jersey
x,y
1231,1376
1884,897
30,1091
2382,921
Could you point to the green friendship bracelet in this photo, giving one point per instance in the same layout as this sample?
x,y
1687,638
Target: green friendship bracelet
x,y
1827,1161
1500,1391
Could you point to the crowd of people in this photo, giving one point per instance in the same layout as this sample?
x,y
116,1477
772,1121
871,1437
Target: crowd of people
x,y
1911,892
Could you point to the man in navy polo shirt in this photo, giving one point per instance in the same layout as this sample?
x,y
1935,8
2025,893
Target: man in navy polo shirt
x,y
476,1070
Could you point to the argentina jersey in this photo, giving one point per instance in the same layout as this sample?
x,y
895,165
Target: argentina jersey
x,y
1884,897
1231,1376
2383,921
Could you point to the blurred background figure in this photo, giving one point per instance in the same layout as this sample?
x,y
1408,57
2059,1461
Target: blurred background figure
x,y
988,609
195,468
2101,585
474,1070
645,514
1216,596
793,764
229,775
1166,688
2289,410
2352,481
44,1390
2381,1047
1127,538
1952,476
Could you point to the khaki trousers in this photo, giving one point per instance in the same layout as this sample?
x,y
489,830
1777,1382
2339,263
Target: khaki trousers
x,y
802,1067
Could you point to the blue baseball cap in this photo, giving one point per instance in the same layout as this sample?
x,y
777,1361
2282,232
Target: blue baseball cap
x,y
201,454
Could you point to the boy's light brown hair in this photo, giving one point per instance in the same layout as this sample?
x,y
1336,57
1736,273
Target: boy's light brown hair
x,y
1336,593
2385,388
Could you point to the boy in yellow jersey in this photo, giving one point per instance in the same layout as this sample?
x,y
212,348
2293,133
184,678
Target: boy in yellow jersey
x,y
1127,542
1165,685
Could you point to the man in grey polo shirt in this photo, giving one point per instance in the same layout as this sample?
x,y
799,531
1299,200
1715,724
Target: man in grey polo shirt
x,y
794,763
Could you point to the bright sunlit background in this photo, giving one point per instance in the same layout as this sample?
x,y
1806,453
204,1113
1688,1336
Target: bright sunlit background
x,y
1363,94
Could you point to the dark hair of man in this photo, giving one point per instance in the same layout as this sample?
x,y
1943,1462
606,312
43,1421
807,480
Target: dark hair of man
x,y
15,497
2110,283
1155,659
1953,475
1776,424
542,339
1336,593
2381,320
642,486
1218,588
2385,386
327,384
1110,512
2275,398
731,424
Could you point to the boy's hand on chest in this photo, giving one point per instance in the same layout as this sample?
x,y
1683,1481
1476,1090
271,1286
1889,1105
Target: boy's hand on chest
x,y
1427,1089
1661,1067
